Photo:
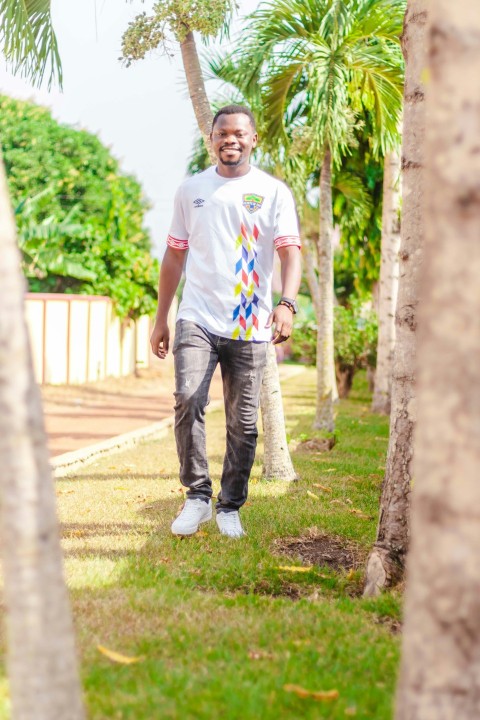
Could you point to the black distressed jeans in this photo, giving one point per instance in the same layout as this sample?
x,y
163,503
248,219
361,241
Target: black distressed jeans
x,y
197,353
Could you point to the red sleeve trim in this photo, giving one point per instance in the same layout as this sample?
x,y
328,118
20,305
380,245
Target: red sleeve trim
x,y
176,243
286,240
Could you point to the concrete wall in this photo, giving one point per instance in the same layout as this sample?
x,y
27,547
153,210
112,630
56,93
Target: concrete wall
x,y
78,338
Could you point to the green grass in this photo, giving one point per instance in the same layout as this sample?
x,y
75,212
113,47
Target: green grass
x,y
220,628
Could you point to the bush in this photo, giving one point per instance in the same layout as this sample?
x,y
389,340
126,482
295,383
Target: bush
x,y
355,339
79,218
304,337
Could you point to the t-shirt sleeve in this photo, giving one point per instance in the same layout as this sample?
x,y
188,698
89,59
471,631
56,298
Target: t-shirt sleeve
x,y
286,221
178,235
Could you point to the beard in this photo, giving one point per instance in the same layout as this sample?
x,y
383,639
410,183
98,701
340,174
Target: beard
x,y
231,163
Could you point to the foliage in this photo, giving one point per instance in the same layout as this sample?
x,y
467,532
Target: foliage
x,y
355,334
79,219
326,74
173,18
357,263
303,343
320,66
28,41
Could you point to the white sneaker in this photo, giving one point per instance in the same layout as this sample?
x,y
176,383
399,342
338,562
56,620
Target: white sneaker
x,y
229,524
194,512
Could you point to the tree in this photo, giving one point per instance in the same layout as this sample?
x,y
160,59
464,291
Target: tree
x,y
180,19
386,562
79,217
381,402
439,671
323,64
42,663
144,34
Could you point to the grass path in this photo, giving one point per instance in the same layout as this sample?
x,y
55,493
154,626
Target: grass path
x,y
219,627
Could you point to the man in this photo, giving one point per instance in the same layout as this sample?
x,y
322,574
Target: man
x,y
230,218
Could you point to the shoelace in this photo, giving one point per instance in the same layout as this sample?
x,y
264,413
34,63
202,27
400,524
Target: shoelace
x,y
191,508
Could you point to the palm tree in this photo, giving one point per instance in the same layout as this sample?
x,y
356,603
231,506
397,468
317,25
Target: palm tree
x,y
386,562
42,660
179,21
388,285
321,64
28,41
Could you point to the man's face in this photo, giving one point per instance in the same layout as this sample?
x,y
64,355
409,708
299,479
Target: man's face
x,y
233,139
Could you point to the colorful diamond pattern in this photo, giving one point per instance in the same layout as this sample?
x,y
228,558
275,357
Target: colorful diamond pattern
x,y
246,310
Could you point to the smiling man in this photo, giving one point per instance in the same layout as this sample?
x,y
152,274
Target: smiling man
x,y
231,218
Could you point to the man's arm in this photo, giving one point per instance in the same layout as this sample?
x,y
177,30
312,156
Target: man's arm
x,y
291,274
170,275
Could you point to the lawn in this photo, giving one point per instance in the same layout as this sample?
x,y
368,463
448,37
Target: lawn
x,y
221,628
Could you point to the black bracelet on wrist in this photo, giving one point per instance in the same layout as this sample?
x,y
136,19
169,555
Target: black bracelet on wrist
x,y
290,303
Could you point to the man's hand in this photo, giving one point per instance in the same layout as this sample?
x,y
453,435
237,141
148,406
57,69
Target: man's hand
x,y
282,318
160,339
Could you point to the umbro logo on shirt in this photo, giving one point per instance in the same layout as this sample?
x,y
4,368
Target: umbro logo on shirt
x,y
198,203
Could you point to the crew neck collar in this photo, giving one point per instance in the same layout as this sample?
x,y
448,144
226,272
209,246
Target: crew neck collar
x,y
230,179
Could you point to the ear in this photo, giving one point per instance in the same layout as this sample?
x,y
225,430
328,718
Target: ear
x,y
255,140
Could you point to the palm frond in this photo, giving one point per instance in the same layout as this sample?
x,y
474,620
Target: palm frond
x,y
28,40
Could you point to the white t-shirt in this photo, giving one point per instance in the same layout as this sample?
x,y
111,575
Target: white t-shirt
x,y
231,226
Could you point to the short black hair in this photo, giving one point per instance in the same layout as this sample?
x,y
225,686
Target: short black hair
x,y
235,110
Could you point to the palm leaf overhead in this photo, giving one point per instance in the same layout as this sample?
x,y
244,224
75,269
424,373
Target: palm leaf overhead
x,y
28,40
326,62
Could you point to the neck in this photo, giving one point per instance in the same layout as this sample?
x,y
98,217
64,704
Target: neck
x,y
233,171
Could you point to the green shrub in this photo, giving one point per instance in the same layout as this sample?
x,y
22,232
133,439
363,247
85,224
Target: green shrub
x,y
355,339
79,218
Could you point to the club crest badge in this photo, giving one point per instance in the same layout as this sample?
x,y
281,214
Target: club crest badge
x,y
252,202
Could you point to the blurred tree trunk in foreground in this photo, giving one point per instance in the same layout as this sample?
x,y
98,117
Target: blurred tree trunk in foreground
x,y
382,394
42,663
440,673
385,564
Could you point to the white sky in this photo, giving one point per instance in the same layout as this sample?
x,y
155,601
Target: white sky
x,y
142,113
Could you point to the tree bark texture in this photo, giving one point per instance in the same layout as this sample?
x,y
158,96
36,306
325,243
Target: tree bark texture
x,y
197,92
440,671
310,252
325,360
388,289
386,562
42,662
277,463
271,401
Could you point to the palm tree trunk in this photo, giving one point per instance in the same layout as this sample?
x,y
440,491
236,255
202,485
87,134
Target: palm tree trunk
x,y
325,362
277,456
386,562
439,675
196,89
310,264
277,463
388,285
42,662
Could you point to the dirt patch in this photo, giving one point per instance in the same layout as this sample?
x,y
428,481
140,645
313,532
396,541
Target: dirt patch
x,y
321,549
392,624
316,445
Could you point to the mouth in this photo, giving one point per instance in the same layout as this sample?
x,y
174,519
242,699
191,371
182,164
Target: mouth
x,y
230,149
